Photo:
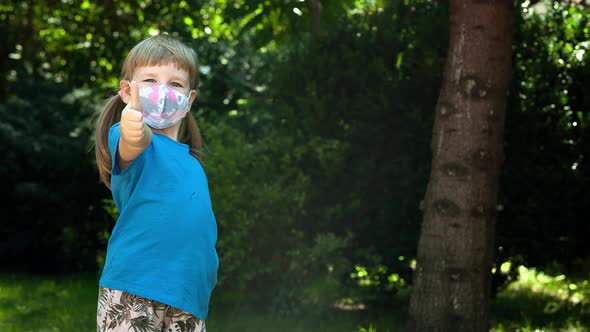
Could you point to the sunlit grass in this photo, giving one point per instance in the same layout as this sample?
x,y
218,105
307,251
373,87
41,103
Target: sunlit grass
x,y
538,302
563,291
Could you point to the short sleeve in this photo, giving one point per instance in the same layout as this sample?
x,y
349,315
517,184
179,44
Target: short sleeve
x,y
114,136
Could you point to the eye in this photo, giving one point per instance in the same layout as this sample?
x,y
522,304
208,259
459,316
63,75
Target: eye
x,y
176,84
150,80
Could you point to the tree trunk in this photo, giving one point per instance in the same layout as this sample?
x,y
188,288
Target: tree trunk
x,y
455,251
315,10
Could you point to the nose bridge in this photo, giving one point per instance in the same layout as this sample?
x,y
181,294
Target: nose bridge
x,y
165,87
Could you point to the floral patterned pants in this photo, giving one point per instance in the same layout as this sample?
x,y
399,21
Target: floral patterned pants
x,y
121,311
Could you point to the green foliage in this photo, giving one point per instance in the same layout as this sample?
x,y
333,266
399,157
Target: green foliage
x,y
45,158
312,277
290,160
546,172
360,124
378,284
255,212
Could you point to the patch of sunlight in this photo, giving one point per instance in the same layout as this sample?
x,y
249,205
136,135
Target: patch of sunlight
x,y
505,267
579,54
574,327
364,7
557,287
371,328
376,276
349,304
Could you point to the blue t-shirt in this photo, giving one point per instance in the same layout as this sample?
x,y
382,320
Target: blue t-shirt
x,y
163,244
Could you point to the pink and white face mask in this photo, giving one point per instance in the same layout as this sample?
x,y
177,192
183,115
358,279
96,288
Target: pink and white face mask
x,y
162,106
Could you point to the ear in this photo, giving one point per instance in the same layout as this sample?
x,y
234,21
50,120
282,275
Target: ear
x,y
192,97
125,91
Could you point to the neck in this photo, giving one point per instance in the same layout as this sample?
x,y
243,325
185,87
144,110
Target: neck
x,y
171,132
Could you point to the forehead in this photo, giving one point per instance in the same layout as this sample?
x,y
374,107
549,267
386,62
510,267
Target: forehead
x,y
169,69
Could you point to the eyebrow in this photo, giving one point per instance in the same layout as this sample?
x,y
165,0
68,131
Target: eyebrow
x,y
174,77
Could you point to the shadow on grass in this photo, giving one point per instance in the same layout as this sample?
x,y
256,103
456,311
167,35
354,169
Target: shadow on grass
x,y
233,311
538,312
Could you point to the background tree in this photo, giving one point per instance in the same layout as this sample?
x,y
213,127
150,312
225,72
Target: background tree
x,y
456,246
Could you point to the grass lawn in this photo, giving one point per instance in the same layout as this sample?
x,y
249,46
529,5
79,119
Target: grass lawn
x,y
534,303
44,304
64,304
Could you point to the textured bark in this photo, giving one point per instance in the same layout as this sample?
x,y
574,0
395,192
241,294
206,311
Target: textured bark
x,y
455,251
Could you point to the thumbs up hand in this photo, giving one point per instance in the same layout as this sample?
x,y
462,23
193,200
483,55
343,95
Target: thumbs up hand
x,y
133,130
135,134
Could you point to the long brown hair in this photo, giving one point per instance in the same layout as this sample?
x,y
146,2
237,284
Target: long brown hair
x,y
152,51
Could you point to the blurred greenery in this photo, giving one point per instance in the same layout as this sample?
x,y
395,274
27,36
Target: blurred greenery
x,y
316,149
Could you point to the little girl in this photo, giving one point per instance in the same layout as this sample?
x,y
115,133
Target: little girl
x,y
161,264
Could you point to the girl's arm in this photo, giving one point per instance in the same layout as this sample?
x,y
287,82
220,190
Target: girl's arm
x,y
135,134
